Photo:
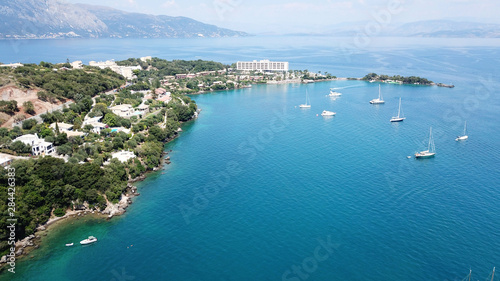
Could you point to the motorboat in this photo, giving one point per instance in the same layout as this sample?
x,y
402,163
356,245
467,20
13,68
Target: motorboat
x,y
89,240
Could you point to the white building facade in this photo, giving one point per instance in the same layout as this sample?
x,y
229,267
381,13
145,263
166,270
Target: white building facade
x,y
263,65
38,146
123,110
126,71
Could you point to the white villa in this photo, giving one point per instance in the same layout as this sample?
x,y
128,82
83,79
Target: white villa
x,y
63,127
5,161
123,156
142,108
94,122
12,65
38,146
77,64
67,129
98,127
123,110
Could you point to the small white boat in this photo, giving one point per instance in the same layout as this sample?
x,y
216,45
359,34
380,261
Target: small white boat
x,y
69,244
380,100
327,113
431,149
400,117
334,94
306,105
89,240
464,136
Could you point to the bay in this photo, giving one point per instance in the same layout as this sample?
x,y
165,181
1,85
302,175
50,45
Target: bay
x,y
268,184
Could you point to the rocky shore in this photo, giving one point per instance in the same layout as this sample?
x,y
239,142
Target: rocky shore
x,y
29,243
32,242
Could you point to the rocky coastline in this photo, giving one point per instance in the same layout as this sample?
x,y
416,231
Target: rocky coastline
x,y
28,244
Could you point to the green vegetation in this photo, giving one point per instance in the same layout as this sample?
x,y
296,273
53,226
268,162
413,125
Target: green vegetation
x,y
58,82
155,70
159,67
48,183
48,186
397,78
9,107
29,107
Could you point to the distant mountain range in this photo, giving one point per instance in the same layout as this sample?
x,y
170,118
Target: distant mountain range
x,y
447,28
35,19
430,28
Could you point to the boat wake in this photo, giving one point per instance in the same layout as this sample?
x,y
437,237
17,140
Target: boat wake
x,y
340,88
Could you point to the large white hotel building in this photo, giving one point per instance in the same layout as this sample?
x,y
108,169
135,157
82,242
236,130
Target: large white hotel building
x,y
263,65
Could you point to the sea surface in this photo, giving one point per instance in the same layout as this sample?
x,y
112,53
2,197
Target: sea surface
x,y
260,189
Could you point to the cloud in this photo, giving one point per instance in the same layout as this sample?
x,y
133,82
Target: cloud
x,y
168,4
304,7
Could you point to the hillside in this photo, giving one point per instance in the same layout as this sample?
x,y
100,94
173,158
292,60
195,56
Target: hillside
x,y
427,28
447,28
34,19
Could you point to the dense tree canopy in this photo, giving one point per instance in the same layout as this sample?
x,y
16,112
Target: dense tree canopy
x,y
402,79
158,68
66,84
49,185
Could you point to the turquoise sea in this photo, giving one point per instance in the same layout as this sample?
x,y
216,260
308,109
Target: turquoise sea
x,y
259,189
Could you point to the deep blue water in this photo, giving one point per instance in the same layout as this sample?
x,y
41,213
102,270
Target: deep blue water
x,y
258,186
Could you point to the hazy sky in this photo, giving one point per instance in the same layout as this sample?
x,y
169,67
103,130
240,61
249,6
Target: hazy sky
x,y
260,16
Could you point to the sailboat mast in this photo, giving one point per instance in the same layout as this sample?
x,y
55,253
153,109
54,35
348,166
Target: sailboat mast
x,y
470,273
493,274
465,127
399,109
430,138
379,94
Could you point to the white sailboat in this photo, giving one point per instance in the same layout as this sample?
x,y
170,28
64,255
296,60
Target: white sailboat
x,y
380,100
398,118
306,105
464,136
431,149
469,276
493,274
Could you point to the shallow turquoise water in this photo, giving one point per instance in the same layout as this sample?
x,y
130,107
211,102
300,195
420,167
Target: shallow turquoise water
x,y
257,185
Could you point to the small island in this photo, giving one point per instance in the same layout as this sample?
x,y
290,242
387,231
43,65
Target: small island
x,y
398,79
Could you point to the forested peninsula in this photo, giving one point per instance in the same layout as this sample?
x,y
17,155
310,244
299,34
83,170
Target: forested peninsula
x,y
108,130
